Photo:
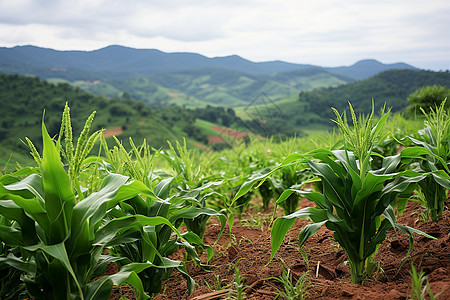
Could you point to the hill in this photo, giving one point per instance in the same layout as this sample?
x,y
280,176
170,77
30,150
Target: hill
x,y
366,68
119,62
390,87
188,79
24,99
159,78
312,109
210,86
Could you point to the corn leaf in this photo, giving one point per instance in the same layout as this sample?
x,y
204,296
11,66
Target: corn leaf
x,y
59,198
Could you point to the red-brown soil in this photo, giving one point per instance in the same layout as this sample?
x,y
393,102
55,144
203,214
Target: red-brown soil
x,y
201,146
230,132
215,139
251,246
112,131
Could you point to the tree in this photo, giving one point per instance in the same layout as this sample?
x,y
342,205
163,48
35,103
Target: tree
x,y
427,97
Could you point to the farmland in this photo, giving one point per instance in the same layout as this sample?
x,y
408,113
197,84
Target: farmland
x,y
366,204
208,202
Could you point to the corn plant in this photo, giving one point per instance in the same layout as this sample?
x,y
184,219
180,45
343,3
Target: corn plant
x,y
75,157
261,158
354,201
158,243
11,287
289,179
62,241
276,183
193,187
168,202
431,154
137,163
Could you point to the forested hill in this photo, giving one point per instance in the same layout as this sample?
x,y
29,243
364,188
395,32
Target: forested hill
x,y
24,99
390,87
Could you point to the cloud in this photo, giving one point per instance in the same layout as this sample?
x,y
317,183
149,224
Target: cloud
x,y
304,31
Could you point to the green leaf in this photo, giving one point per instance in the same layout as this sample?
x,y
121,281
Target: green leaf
x,y
162,189
19,263
193,212
28,187
245,187
11,236
308,231
109,231
128,273
59,252
193,239
31,206
286,195
100,289
282,224
59,197
12,211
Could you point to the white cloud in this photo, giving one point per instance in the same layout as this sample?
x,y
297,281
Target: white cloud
x,y
327,32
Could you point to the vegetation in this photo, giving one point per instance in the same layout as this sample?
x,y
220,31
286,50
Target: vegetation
x,y
427,97
431,154
131,117
95,200
292,291
351,195
390,87
420,286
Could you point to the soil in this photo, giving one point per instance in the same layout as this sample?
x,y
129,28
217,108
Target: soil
x,y
112,131
204,147
327,270
230,132
215,139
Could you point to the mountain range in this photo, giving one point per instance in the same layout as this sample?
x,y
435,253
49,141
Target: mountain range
x,y
120,61
159,78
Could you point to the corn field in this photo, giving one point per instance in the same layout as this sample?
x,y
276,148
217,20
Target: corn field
x,y
92,203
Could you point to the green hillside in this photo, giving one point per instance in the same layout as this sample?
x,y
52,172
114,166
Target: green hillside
x,y
23,101
311,110
390,87
232,88
215,87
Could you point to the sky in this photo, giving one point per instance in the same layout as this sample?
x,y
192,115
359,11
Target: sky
x,y
327,33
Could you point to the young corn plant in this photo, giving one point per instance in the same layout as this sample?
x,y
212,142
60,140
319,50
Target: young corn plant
x,y
137,163
354,201
431,154
275,183
261,158
289,179
62,241
159,241
193,187
166,202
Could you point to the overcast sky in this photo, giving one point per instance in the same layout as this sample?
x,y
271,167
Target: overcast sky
x,y
321,32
